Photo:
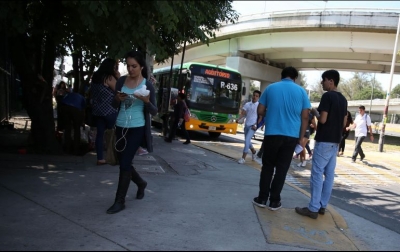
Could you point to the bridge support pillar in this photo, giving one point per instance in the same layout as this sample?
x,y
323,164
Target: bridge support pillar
x,y
263,85
246,83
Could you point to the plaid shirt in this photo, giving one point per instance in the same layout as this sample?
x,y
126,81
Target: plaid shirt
x,y
102,98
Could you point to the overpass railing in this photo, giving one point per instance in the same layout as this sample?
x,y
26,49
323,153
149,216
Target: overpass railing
x,y
327,10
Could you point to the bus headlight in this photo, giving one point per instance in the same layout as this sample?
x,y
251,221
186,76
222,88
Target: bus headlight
x,y
232,120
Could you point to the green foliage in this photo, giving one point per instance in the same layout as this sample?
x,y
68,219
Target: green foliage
x,y
302,80
94,30
395,91
355,87
315,97
365,94
253,87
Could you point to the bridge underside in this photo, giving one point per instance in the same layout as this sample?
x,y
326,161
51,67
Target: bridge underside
x,y
348,40
304,50
317,40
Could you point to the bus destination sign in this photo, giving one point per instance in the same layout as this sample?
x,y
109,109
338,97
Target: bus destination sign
x,y
215,73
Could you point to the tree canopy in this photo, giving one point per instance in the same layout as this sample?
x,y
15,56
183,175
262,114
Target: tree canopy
x,y
395,92
37,32
358,87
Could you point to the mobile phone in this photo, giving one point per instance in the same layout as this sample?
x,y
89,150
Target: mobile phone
x,y
121,92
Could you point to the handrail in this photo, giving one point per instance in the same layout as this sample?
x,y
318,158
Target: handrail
x,y
324,10
295,11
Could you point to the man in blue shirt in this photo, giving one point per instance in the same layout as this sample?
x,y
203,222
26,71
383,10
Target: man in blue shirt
x,y
285,106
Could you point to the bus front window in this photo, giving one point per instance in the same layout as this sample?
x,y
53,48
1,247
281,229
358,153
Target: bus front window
x,y
202,90
214,94
228,95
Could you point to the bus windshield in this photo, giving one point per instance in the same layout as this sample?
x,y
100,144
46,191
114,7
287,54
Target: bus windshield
x,y
214,93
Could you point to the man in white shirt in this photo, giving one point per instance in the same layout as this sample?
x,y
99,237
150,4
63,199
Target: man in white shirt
x,y
362,124
249,111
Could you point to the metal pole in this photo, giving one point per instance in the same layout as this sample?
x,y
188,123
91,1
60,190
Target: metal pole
x,y
385,111
166,101
372,96
180,69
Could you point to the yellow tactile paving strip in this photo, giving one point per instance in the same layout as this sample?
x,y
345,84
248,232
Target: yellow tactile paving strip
x,y
284,227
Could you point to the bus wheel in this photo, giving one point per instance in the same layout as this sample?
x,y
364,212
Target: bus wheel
x,y
214,134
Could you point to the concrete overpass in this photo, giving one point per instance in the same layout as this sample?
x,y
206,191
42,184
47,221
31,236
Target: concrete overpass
x,y
260,45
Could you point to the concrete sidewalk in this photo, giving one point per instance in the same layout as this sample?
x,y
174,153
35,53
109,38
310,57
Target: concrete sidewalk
x,y
196,199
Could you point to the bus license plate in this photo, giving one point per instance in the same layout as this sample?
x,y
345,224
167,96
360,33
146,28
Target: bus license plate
x,y
212,127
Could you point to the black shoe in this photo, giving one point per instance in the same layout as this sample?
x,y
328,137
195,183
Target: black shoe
x,y
273,206
321,211
140,182
140,191
123,185
118,206
306,212
362,158
353,160
259,203
167,140
187,142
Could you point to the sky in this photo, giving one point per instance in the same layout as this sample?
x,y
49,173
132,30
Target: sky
x,y
313,77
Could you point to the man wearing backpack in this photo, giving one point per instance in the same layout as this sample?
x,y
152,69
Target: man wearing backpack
x,y
362,124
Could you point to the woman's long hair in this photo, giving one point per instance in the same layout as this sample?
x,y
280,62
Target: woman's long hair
x,y
107,68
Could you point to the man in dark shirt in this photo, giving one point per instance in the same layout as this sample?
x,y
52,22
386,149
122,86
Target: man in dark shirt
x,y
178,120
332,117
72,110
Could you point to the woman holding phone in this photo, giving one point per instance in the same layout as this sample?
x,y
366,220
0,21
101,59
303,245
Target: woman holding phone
x,y
133,124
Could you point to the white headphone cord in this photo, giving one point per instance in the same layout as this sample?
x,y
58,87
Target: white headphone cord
x,y
124,131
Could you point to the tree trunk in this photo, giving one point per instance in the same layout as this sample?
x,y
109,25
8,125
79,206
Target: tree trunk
x,y
37,99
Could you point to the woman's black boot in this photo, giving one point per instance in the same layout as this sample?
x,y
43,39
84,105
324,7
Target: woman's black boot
x,y
141,183
123,185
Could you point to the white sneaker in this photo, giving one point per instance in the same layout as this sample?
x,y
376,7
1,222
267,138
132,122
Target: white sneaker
x,y
142,151
304,163
253,156
241,161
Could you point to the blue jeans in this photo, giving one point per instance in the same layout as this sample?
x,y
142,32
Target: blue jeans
x,y
323,164
248,134
103,123
127,143
358,149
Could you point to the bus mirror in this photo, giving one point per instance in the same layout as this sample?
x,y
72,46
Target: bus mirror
x,y
243,90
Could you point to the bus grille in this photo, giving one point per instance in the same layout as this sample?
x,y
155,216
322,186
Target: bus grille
x,y
207,118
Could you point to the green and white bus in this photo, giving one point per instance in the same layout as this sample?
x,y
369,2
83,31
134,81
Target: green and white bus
x,y
213,95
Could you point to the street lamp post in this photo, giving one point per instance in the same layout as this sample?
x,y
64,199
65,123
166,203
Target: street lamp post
x,y
309,93
385,111
372,96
